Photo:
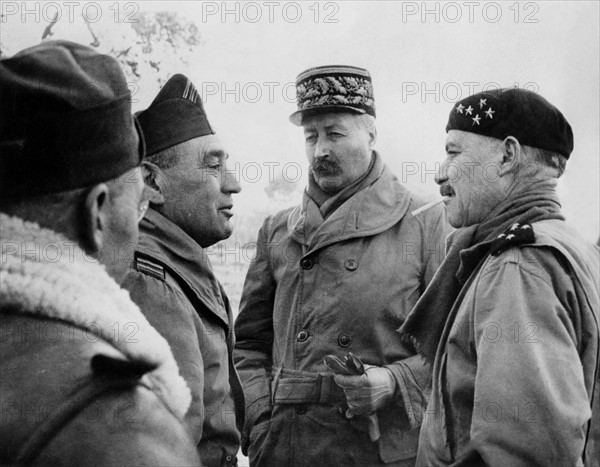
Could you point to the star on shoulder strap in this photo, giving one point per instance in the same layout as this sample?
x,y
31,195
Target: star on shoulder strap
x,y
516,234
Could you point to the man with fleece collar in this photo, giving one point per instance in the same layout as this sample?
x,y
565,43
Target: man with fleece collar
x,y
85,379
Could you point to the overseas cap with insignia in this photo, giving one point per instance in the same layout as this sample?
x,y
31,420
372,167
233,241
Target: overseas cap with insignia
x,y
334,88
65,120
527,116
175,115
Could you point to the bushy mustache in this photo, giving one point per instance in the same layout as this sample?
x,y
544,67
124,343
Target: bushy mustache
x,y
325,167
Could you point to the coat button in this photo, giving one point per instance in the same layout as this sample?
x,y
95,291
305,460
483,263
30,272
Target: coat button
x,y
351,264
302,335
300,409
344,340
306,263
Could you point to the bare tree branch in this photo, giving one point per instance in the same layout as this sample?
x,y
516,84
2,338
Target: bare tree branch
x,y
48,29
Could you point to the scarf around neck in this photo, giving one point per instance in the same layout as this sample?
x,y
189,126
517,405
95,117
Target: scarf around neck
x,y
318,205
465,249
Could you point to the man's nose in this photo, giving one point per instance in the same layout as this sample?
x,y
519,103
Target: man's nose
x,y
230,183
441,174
322,149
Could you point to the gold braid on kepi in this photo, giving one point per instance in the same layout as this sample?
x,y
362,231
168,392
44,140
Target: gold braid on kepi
x,y
333,88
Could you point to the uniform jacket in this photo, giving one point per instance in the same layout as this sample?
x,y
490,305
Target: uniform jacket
x,y
173,283
517,367
85,379
347,289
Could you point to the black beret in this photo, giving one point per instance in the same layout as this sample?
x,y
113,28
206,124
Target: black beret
x,y
65,120
175,115
520,113
333,88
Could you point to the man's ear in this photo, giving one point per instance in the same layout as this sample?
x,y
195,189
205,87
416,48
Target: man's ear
x,y
512,156
372,137
95,221
154,182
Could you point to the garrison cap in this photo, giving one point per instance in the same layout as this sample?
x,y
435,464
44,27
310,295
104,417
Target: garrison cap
x,y
333,88
65,120
175,115
527,116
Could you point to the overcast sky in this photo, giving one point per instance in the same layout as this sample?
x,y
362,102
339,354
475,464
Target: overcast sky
x,y
422,57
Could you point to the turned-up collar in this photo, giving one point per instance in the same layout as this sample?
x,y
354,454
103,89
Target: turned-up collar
x,y
168,244
370,211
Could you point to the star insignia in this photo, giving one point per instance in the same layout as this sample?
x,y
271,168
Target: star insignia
x,y
476,119
469,110
482,102
513,236
489,113
459,108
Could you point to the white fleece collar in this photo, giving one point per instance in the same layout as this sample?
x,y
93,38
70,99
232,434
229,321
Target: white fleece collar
x,y
44,274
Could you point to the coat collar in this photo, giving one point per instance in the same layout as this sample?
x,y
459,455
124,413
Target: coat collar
x,y
372,210
45,274
168,244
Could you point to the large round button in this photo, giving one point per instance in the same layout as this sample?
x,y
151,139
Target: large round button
x,y
306,263
351,264
344,340
302,335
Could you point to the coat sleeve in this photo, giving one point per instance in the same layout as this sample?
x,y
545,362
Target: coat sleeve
x,y
413,375
530,401
168,310
254,336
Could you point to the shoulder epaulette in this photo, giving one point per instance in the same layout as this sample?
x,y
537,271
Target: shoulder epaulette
x,y
147,266
516,234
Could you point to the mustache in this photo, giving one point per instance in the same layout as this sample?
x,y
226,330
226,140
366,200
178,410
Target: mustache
x,y
325,167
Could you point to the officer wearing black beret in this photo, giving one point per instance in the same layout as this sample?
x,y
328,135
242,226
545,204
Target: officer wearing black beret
x,y
510,321
171,278
75,390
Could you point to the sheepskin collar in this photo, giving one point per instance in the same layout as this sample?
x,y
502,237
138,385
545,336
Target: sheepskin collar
x,y
43,273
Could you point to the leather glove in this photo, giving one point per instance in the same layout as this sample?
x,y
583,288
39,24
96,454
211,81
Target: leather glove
x,y
369,392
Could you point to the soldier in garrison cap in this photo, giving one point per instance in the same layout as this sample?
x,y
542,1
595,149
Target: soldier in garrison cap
x,y
86,380
171,278
338,273
510,321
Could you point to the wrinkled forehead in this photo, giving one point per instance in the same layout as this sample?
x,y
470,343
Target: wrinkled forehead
x,y
329,120
461,138
208,145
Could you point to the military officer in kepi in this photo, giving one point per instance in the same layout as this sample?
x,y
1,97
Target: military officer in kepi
x,y
337,274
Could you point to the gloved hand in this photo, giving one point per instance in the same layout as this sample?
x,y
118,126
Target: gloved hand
x,y
367,393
